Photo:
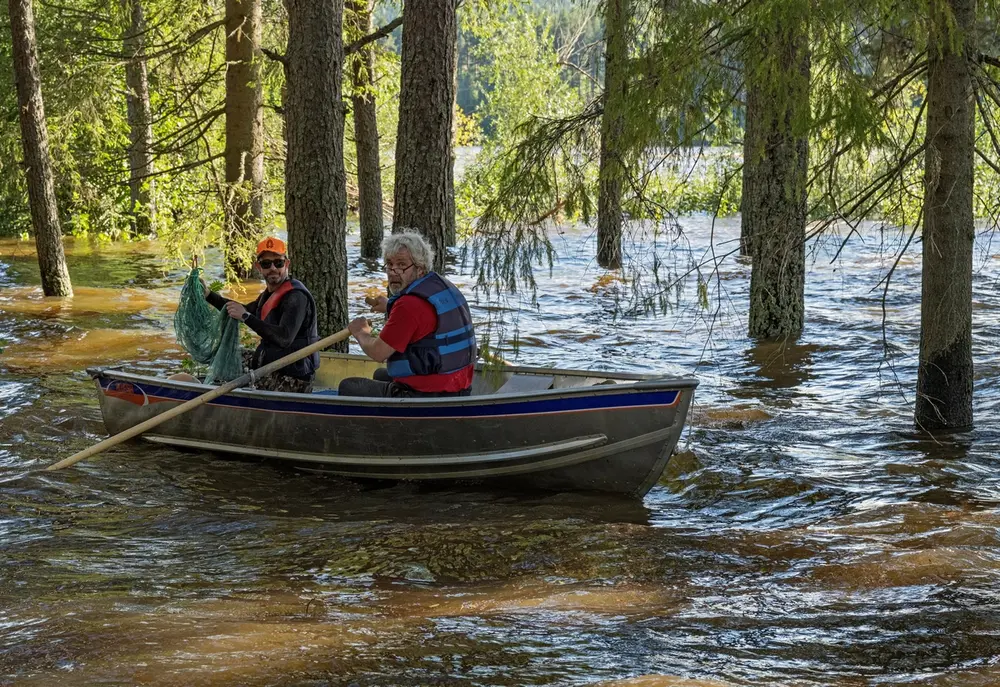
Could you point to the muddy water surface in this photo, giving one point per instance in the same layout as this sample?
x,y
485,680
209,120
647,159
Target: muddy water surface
x,y
804,536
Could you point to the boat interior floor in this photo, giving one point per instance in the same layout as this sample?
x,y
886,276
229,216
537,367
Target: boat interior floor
x,y
516,383
488,380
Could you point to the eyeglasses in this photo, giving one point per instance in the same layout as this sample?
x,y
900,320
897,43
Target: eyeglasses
x,y
266,264
398,270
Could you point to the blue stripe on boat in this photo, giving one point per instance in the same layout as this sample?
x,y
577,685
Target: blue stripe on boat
x,y
487,408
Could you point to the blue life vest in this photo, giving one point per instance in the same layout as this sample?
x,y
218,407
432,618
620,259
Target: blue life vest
x,y
451,346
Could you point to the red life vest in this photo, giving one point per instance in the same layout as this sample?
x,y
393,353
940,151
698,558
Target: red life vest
x,y
275,298
267,352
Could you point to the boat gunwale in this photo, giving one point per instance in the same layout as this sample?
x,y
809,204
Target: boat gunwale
x,y
526,369
655,384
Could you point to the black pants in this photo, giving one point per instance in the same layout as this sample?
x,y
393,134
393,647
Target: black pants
x,y
377,388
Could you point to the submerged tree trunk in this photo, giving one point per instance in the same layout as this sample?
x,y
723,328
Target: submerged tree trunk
x,y
37,163
366,137
424,195
612,169
244,134
945,375
774,206
315,182
140,121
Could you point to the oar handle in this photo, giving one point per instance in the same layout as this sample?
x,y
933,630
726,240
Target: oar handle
x,y
200,400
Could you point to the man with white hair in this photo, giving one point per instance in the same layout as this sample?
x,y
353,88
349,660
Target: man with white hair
x,y
428,340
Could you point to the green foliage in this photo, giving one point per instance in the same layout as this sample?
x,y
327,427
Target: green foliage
x,y
522,78
540,168
703,182
191,367
385,89
702,292
80,48
529,85
575,32
690,65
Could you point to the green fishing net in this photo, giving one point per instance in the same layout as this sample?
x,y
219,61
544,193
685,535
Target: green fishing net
x,y
210,336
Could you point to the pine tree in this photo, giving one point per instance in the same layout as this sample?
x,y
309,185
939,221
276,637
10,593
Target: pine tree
x,y
945,375
244,206
37,163
424,195
315,181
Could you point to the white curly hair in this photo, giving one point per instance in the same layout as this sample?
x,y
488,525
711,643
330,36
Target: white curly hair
x,y
413,242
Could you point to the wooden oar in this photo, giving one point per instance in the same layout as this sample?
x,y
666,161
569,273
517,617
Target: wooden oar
x,y
201,400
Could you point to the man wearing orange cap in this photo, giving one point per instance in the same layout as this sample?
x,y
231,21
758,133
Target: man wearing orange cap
x,y
284,315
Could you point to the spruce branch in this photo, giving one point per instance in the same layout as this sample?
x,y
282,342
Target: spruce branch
x,y
382,32
275,56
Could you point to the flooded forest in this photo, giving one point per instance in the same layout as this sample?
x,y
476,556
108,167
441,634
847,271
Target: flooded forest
x,y
790,204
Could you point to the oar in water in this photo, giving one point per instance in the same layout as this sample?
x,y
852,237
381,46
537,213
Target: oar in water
x,y
201,400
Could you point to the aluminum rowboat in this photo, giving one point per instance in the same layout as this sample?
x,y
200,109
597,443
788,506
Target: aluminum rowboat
x,y
528,428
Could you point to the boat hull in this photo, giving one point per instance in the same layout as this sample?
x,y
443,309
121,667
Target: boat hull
x,y
614,438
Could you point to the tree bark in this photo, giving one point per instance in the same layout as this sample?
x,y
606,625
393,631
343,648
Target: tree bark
x,y
424,195
244,134
451,237
315,181
366,137
774,205
945,374
140,121
753,153
37,163
612,167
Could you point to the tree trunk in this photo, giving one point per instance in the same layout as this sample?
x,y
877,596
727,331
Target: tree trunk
x,y
944,378
244,134
451,237
37,163
140,121
753,153
774,206
424,195
612,169
366,137
315,181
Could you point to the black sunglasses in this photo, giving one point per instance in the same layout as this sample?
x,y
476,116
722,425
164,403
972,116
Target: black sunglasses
x,y
266,264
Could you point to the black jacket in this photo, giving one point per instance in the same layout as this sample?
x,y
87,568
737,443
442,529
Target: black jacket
x,y
288,327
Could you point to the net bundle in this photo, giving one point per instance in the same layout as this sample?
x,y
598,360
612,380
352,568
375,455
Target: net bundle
x,y
209,336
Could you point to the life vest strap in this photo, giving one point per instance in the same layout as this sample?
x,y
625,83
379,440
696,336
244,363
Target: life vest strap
x,y
275,298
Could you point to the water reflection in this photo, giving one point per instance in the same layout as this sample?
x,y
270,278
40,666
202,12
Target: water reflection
x,y
946,466
776,371
91,262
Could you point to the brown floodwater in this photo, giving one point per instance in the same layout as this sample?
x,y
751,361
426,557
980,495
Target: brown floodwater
x,y
803,535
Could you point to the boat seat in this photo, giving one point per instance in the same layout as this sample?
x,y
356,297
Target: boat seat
x,y
518,384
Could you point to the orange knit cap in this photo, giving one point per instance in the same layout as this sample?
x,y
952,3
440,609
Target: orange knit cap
x,y
271,245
